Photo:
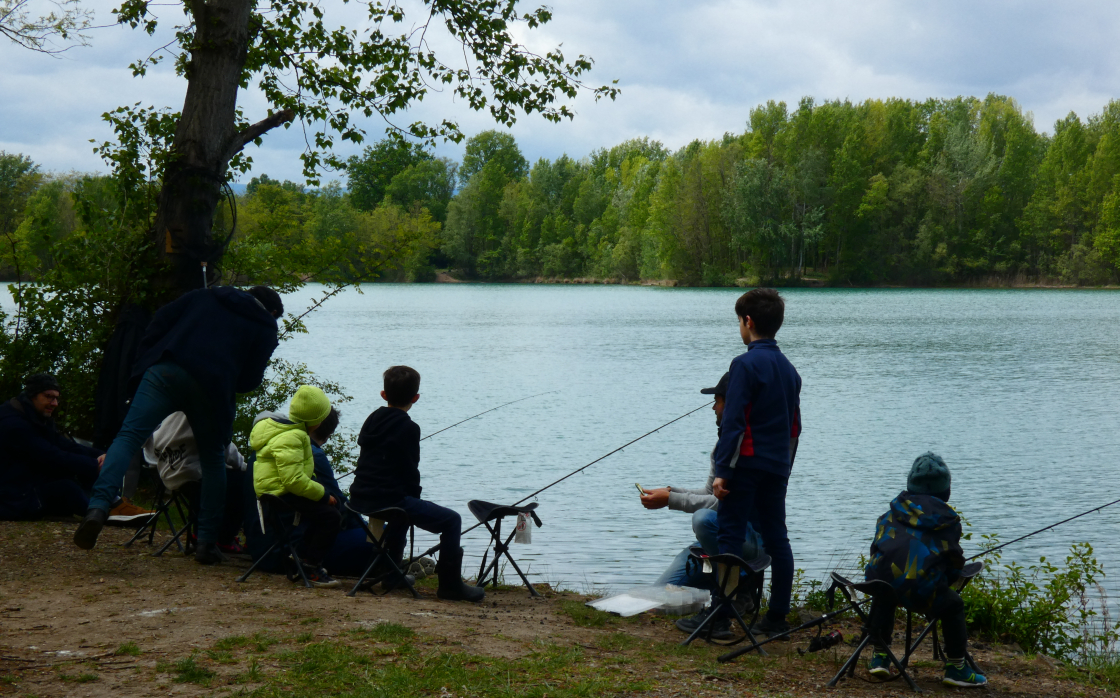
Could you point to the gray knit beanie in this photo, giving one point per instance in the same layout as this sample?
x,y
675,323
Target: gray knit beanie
x,y
928,475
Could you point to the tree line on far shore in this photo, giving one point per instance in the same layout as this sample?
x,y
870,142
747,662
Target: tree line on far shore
x,y
956,191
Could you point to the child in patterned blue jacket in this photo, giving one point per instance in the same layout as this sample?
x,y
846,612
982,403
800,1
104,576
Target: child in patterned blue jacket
x,y
917,551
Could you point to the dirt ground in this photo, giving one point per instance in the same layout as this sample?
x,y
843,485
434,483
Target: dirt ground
x,y
64,613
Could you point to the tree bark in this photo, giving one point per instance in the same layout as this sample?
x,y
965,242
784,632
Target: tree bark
x,y
205,140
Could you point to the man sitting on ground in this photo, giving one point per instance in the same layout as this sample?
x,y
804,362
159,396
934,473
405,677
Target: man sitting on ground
x,y
283,468
388,475
42,473
702,504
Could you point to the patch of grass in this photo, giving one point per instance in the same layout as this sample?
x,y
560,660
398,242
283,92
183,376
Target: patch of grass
x,y
386,632
616,642
262,641
252,675
232,642
305,637
130,649
583,615
1098,671
309,621
78,678
187,670
221,656
332,668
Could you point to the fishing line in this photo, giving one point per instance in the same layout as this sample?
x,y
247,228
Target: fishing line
x,y
489,410
434,548
1035,533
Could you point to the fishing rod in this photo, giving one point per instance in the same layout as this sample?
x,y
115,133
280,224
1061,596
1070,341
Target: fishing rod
x,y
489,410
434,548
1035,533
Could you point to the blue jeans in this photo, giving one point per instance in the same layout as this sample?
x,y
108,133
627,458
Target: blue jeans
x,y
168,388
705,527
758,499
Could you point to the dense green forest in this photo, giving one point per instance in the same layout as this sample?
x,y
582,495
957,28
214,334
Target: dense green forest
x,y
958,191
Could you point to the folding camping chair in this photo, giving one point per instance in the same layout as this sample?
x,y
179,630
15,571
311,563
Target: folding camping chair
x,y
274,511
381,553
880,588
748,590
487,512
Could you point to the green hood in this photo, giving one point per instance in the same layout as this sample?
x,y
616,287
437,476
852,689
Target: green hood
x,y
267,429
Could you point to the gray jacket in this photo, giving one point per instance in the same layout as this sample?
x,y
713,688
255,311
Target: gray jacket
x,y
691,500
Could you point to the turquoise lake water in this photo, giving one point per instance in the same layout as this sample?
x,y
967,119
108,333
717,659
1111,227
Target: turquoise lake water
x,y
1019,391
1016,389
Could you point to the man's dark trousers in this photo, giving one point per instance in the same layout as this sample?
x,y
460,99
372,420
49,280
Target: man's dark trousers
x,y
428,517
759,498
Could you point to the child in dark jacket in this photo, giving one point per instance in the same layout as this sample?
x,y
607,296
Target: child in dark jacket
x,y
388,475
758,439
917,551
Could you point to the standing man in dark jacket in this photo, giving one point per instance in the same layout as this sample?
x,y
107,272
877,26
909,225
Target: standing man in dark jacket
x,y
42,473
388,475
754,455
198,352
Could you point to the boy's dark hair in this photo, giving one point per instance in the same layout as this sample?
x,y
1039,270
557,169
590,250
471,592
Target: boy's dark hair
x,y
401,385
269,299
765,306
326,428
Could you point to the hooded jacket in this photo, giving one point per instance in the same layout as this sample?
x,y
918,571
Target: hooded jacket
x,y
917,549
285,463
388,466
222,337
32,452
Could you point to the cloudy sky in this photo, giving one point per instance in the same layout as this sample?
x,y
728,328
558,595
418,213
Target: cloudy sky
x,y
687,70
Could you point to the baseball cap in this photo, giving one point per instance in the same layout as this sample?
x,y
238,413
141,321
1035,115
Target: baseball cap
x,y
721,387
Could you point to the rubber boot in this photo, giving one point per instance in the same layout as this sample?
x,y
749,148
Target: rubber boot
x,y
450,573
90,528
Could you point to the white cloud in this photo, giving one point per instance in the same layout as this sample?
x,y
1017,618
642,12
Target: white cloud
x,y
688,70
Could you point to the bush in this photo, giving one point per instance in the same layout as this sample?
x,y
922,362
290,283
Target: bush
x,y
1044,608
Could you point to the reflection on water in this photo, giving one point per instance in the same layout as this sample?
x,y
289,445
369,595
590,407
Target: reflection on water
x,y
1017,390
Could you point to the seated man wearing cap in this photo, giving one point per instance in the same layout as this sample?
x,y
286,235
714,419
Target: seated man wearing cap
x,y
42,473
702,504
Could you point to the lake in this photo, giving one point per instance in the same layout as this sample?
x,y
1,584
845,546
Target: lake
x,y
1016,389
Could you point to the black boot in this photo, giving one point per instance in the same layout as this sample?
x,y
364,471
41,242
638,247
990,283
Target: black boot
x,y
209,554
451,586
90,528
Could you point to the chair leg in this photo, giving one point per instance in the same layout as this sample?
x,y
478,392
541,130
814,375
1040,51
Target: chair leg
x,y
717,607
257,564
299,564
376,558
849,666
747,629
174,540
902,670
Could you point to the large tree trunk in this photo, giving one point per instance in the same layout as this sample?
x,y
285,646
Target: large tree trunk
x,y
205,140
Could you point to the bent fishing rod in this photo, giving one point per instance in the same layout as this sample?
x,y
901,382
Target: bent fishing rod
x,y
434,548
1047,528
489,410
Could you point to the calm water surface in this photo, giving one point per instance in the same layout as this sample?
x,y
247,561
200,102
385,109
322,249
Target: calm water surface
x,y
1017,390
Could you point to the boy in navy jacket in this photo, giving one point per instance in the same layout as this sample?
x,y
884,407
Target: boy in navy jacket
x,y
761,425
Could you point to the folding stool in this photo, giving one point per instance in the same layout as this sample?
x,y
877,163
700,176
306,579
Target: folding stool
x,y
876,589
967,574
387,517
274,510
487,512
723,602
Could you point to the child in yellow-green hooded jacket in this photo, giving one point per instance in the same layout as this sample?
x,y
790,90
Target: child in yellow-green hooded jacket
x,y
284,468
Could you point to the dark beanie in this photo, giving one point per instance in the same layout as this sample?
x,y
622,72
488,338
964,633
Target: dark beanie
x,y
40,382
928,475
269,299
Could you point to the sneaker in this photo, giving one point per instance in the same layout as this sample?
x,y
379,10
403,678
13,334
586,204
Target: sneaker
x,y
962,676
720,627
880,665
769,628
233,547
318,577
128,513
90,528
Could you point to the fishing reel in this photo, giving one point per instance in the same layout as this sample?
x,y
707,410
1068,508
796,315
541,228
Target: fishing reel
x,y
822,642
